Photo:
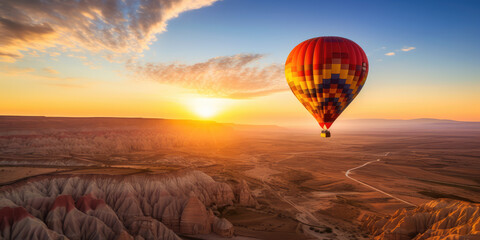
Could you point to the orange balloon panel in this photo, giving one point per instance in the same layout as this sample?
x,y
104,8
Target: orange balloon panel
x,y
326,74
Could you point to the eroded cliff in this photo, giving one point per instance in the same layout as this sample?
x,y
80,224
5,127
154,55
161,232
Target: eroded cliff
x,y
437,219
115,207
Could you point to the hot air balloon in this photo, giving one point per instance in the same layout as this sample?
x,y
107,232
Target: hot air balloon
x,y
326,74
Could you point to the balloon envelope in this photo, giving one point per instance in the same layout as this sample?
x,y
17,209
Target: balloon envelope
x,y
326,74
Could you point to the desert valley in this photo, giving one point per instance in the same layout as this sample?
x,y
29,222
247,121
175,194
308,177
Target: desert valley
x,y
112,178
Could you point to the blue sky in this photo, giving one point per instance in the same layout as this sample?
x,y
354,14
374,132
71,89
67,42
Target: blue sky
x,y
446,29
445,34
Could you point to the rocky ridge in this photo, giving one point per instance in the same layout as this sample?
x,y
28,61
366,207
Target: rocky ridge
x,y
243,195
114,207
437,219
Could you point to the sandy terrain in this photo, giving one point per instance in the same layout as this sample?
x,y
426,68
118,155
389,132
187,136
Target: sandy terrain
x,y
298,178
9,175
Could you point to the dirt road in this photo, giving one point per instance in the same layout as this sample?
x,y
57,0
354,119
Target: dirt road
x,y
349,171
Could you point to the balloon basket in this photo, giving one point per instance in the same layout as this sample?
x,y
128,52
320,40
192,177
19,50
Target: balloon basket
x,y
325,133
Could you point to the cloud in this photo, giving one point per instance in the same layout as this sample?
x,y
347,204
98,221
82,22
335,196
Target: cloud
x,y
406,49
34,53
390,54
227,76
54,54
50,70
15,71
106,27
66,85
9,57
17,36
45,75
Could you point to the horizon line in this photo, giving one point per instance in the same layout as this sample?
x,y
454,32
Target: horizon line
x,y
210,120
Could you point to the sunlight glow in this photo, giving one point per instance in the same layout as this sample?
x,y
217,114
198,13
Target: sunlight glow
x,y
206,107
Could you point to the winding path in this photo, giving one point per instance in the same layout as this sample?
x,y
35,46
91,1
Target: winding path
x,y
347,174
307,218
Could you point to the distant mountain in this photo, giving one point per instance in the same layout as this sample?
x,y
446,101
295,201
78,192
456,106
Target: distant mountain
x,y
41,124
420,124
249,127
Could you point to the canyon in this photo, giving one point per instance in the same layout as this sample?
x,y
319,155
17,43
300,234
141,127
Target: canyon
x,y
109,207
437,219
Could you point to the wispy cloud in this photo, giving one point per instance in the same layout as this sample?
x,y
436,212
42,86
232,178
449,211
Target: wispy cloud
x,y
18,35
227,76
106,27
50,70
9,56
54,54
47,76
15,71
66,85
406,49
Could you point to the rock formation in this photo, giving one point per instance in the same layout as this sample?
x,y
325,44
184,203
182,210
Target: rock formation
x,y
114,207
437,219
243,195
17,223
222,227
195,218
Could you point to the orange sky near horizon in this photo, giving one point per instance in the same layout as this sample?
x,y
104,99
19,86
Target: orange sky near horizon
x,y
133,98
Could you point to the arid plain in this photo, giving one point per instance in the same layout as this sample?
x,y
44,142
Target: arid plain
x,y
286,183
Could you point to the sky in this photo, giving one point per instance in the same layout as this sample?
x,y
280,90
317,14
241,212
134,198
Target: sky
x,y
224,60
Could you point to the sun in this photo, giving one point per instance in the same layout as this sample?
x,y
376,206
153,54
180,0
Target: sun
x,y
205,111
205,107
